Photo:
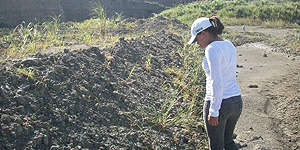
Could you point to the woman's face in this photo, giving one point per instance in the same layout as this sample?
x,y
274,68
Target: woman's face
x,y
200,39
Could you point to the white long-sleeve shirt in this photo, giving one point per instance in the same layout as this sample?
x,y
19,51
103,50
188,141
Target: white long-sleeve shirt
x,y
219,64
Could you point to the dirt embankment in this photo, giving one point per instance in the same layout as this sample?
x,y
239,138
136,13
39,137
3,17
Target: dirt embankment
x,y
94,98
13,12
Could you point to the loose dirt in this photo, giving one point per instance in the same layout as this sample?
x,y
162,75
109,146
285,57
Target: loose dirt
x,y
270,88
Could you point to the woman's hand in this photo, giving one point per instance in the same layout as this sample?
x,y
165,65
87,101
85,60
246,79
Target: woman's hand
x,y
213,121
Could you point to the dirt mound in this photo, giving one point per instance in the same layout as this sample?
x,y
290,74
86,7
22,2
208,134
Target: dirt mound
x,y
90,98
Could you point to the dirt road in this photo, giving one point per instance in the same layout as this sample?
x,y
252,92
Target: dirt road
x,y
270,116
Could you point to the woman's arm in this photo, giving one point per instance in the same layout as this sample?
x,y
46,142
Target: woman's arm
x,y
214,60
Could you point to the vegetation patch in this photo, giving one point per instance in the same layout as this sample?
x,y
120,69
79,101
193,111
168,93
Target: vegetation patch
x,y
240,11
289,44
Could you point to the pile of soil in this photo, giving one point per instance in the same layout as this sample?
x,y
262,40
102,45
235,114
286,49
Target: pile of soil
x,y
92,98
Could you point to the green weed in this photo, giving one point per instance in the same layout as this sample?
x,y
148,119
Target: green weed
x,y
27,72
100,13
27,39
131,71
24,39
98,10
148,64
182,102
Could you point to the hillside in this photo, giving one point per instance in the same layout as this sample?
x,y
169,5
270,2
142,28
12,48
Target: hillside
x,y
14,12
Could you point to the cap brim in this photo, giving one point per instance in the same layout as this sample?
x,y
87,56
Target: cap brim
x,y
192,40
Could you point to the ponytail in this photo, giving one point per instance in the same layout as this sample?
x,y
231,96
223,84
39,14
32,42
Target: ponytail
x,y
217,28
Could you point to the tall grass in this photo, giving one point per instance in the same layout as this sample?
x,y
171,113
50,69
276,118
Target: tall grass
x,y
100,13
182,103
26,41
98,10
30,38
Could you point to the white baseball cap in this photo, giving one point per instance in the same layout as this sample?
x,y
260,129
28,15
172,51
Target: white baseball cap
x,y
199,25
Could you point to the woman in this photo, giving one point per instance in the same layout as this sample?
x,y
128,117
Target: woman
x,y
223,102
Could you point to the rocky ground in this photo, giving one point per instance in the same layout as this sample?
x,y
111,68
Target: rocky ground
x,y
92,98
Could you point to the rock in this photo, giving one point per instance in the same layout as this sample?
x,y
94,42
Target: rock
x,y
58,69
6,119
185,140
252,86
20,109
18,129
55,147
241,145
18,120
4,45
66,50
56,87
100,55
45,140
122,39
265,55
19,99
40,87
30,62
21,79
239,66
17,65
4,100
240,54
254,138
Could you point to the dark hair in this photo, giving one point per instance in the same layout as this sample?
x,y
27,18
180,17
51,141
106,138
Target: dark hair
x,y
217,27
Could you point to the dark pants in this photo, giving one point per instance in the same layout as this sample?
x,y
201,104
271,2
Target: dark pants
x,y
220,136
